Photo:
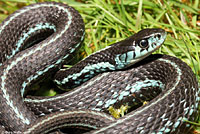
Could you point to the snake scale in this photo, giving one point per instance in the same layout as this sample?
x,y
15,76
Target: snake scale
x,y
37,39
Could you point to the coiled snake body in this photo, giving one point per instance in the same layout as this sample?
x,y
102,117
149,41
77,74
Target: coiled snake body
x,y
23,63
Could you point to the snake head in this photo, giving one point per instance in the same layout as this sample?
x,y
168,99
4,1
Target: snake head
x,y
148,40
139,46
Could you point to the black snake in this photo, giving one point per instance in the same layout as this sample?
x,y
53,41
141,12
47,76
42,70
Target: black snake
x,y
37,39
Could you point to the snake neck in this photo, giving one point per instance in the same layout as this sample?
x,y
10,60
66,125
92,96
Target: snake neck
x,y
115,57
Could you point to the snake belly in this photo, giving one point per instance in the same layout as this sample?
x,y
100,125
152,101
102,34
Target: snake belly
x,y
63,30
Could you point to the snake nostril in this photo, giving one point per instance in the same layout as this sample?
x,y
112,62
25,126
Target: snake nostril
x,y
159,36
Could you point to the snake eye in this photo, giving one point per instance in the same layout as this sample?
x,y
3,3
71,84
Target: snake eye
x,y
143,43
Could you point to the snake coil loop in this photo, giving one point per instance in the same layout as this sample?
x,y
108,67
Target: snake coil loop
x,y
57,31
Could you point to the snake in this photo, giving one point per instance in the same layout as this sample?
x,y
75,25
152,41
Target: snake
x,y
36,40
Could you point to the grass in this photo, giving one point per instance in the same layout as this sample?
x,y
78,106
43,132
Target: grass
x,y
109,21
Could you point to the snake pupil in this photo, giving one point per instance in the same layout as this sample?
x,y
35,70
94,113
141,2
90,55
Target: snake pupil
x,y
143,43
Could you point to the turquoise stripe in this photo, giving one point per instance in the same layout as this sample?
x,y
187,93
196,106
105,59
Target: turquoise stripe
x,y
27,35
18,59
99,67
70,93
127,117
131,89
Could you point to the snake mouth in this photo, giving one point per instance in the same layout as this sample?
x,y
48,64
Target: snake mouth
x,y
158,47
157,42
